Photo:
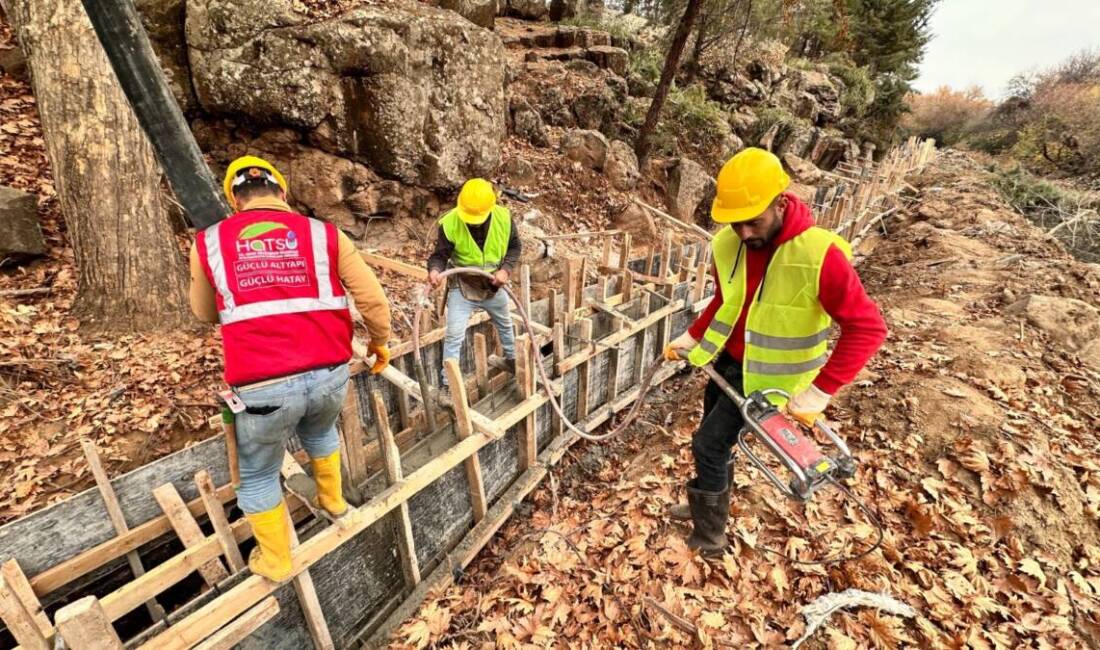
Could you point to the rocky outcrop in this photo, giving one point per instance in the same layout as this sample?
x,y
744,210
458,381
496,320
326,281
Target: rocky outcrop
x,y
610,58
20,237
528,9
164,23
482,13
406,89
1073,323
621,166
527,123
587,147
689,187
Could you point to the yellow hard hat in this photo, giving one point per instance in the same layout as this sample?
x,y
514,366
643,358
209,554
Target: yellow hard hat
x,y
747,184
476,201
245,162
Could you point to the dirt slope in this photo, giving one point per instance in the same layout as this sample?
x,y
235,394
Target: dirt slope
x,y
976,428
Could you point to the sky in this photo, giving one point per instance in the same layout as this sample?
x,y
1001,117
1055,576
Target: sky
x,y
987,42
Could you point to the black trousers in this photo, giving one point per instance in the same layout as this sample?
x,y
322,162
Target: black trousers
x,y
719,430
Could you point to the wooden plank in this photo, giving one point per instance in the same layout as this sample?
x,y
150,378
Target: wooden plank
x,y
553,312
665,267
583,371
605,256
641,343
619,316
307,599
692,228
20,620
233,602
465,428
410,565
17,581
624,253
626,286
700,287
351,429
525,287
216,513
114,511
230,635
525,376
85,626
187,529
481,423
572,290
578,358
396,266
481,364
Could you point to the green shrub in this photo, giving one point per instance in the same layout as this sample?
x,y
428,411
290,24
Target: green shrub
x,y
1072,215
859,87
691,125
647,64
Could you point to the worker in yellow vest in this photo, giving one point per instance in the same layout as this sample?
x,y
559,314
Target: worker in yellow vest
x,y
780,283
476,233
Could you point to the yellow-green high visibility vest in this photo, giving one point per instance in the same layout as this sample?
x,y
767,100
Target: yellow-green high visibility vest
x,y
787,329
467,252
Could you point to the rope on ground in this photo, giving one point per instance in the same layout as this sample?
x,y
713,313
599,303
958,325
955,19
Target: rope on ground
x,y
822,607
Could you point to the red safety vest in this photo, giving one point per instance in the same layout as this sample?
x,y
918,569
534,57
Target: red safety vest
x,y
280,302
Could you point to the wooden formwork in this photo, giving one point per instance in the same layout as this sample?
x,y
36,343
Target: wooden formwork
x,y
99,569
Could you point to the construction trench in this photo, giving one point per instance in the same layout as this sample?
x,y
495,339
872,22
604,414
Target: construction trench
x,y
167,537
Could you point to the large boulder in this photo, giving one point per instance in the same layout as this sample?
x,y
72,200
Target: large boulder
x,y
689,186
587,147
163,21
562,9
482,13
615,59
20,235
1073,323
405,88
528,9
621,166
527,123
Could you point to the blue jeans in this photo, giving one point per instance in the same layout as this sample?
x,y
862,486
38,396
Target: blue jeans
x,y
308,405
459,310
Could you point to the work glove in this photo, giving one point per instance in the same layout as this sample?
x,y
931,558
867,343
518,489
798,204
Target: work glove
x,y
678,346
381,354
808,406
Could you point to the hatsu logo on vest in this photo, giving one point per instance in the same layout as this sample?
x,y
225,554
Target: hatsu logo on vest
x,y
268,256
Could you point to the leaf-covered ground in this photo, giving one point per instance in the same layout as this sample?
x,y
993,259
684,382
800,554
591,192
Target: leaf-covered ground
x,y
977,436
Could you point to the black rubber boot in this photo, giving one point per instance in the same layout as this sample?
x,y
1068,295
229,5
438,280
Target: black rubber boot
x,y
709,513
682,511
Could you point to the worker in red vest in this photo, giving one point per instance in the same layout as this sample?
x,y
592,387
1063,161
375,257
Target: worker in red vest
x,y
278,283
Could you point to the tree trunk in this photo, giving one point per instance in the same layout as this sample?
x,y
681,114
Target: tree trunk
x,y
131,267
672,63
697,50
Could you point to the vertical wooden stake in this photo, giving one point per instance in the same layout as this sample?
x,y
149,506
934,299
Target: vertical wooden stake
x,y
525,287
216,512
464,428
403,406
481,365
605,257
626,286
20,621
85,626
187,529
351,427
525,376
16,580
583,372
572,270
641,341
555,310
665,266
601,288
307,599
651,257
700,288
624,253
391,459
114,512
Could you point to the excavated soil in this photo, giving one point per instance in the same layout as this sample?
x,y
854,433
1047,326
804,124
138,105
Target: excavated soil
x,y
976,433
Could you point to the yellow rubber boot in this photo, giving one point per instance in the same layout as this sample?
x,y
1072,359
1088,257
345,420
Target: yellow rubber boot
x,y
326,472
271,557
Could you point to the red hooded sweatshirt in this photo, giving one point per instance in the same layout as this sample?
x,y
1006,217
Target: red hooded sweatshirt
x,y
862,329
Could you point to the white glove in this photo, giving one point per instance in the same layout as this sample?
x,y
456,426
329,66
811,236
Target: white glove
x,y
808,406
679,346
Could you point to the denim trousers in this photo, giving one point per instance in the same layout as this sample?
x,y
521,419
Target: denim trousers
x,y
459,310
307,404
719,431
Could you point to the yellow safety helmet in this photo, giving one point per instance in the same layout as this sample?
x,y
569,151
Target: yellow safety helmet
x,y
245,162
747,184
476,201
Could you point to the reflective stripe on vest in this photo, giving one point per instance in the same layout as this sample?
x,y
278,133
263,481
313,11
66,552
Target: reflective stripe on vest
x,y
786,329
233,313
466,250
